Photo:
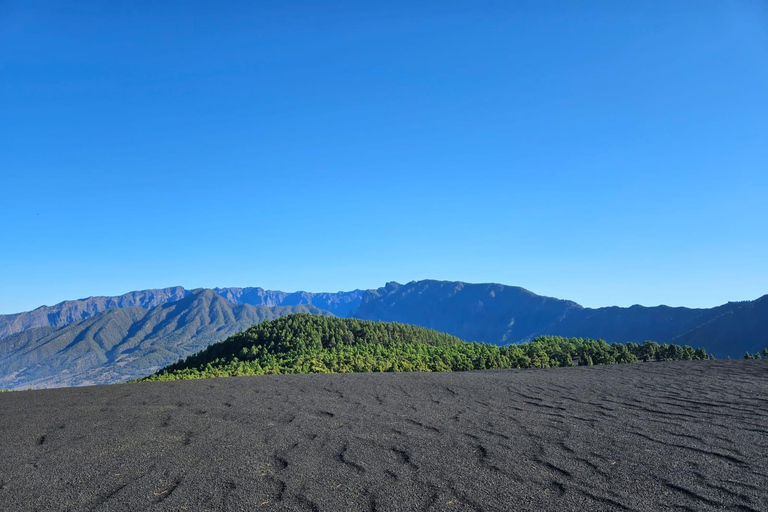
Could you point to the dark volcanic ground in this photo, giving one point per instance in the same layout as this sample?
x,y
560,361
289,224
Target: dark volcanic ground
x,y
687,435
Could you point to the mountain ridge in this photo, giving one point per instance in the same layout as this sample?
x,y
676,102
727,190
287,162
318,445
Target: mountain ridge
x,y
339,303
161,325
69,311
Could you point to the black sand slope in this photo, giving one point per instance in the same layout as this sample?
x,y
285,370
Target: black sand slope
x,y
653,436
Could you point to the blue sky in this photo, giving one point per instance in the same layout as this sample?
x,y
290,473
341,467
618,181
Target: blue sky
x,y
606,152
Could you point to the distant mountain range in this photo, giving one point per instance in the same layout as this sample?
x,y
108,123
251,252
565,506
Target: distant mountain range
x,y
111,339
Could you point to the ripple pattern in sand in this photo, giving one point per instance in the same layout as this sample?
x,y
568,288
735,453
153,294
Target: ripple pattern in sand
x,y
683,435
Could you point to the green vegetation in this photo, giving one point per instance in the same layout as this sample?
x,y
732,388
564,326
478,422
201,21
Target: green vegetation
x,y
757,355
304,343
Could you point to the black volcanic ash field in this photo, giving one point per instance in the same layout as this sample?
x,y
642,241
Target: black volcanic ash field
x,y
684,435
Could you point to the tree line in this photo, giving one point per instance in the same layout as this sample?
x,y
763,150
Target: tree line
x,y
757,355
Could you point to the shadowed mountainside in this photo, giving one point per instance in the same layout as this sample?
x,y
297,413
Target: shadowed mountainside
x,y
120,344
495,313
491,313
747,323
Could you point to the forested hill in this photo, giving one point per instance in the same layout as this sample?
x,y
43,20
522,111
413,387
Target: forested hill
x,y
302,343
305,335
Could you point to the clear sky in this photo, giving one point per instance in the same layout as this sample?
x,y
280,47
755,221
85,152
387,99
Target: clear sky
x,y
608,152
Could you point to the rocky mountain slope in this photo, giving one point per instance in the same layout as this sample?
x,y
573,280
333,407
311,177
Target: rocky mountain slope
x,y
63,313
124,343
70,311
